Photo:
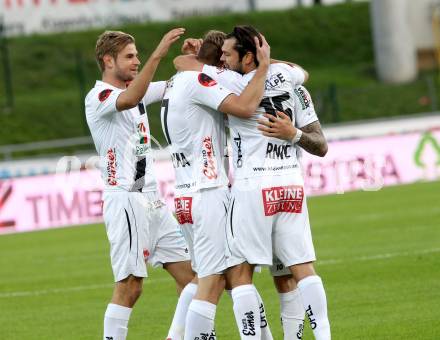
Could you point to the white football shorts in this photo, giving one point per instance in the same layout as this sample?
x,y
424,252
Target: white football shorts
x,y
268,217
202,216
141,229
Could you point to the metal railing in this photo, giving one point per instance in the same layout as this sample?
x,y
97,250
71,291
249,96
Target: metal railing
x,y
7,151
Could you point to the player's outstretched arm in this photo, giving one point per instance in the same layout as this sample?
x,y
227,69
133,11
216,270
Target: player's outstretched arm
x,y
138,87
311,137
246,104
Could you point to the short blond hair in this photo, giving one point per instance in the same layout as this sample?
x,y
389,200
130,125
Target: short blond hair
x,y
111,43
211,49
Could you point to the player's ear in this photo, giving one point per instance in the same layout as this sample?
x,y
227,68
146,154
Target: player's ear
x,y
109,61
248,58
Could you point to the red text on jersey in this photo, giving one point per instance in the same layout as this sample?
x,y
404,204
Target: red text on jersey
x,y
183,207
209,164
111,167
286,199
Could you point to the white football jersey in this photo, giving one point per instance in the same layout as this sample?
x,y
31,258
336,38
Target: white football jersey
x,y
122,139
254,154
195,130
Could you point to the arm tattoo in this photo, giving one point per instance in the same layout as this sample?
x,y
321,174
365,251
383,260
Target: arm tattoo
x,y
313,140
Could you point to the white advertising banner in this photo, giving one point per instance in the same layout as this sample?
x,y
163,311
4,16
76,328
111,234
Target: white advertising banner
x,y
46,16
57,200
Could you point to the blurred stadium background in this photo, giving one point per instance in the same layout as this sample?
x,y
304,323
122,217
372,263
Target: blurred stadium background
x,y
375,210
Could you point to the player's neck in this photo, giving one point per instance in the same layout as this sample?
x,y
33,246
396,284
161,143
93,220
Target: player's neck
x,y
249,68
114,81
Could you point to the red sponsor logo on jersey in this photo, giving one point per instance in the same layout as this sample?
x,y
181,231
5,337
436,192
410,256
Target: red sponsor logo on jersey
x,y
111,167
286,199
104,94
206,80
209,164
183,207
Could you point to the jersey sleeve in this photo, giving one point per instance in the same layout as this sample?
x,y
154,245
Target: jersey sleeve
x,y
304,110
234,81
297,75
207,91
102,102
155,92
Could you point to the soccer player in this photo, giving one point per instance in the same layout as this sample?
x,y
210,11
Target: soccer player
x,y
139,227
268,206
195,132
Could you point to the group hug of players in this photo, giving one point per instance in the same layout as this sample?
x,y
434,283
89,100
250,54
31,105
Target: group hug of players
x,y
227,226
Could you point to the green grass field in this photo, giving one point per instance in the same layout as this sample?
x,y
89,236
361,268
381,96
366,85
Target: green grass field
x,y
379,257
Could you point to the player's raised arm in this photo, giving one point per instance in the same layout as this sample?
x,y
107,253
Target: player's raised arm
x,y
138,87
246,104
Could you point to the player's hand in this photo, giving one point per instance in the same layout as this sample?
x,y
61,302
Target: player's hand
x,y
191,46
263,51
167,40
278,127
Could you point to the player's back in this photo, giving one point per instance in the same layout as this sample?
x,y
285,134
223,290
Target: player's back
x,y
195,130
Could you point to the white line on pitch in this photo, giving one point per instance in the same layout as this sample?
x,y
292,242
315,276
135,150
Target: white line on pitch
x,y
378,256
71,289
152,281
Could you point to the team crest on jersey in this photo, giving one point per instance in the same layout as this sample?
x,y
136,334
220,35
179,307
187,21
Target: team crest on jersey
x,y
142,131
183,207
104,94
286,199
206,80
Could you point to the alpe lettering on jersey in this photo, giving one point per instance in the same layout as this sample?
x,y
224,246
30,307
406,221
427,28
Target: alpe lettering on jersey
x,y
286,199
274,80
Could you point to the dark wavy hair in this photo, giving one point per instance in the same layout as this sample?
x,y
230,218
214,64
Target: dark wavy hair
x,y
245,42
